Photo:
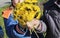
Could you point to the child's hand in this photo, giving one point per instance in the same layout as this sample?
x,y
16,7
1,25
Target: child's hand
x,y
34,23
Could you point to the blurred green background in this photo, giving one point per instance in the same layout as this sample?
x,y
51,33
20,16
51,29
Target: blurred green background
x,y
4,7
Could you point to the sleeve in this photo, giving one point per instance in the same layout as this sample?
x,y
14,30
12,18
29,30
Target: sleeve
x,y
10,24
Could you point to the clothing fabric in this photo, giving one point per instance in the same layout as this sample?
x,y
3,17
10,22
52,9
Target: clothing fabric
x,y
10,24
52,19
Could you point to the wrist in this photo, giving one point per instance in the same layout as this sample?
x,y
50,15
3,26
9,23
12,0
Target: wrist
x,y
18,30
39,27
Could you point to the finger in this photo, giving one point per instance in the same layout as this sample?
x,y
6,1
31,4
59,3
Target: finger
x,y
29,25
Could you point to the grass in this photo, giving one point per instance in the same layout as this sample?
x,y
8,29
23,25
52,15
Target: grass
x,y
1,20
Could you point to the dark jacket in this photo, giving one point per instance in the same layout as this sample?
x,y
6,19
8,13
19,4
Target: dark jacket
x,y
52,19
1,33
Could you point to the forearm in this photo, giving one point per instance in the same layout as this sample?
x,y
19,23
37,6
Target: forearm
x,y
12,29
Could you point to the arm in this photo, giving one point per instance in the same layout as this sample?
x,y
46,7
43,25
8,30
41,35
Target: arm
x,y
11,25
39,25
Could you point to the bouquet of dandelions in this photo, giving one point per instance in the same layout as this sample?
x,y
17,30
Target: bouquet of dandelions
x,y
26,11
